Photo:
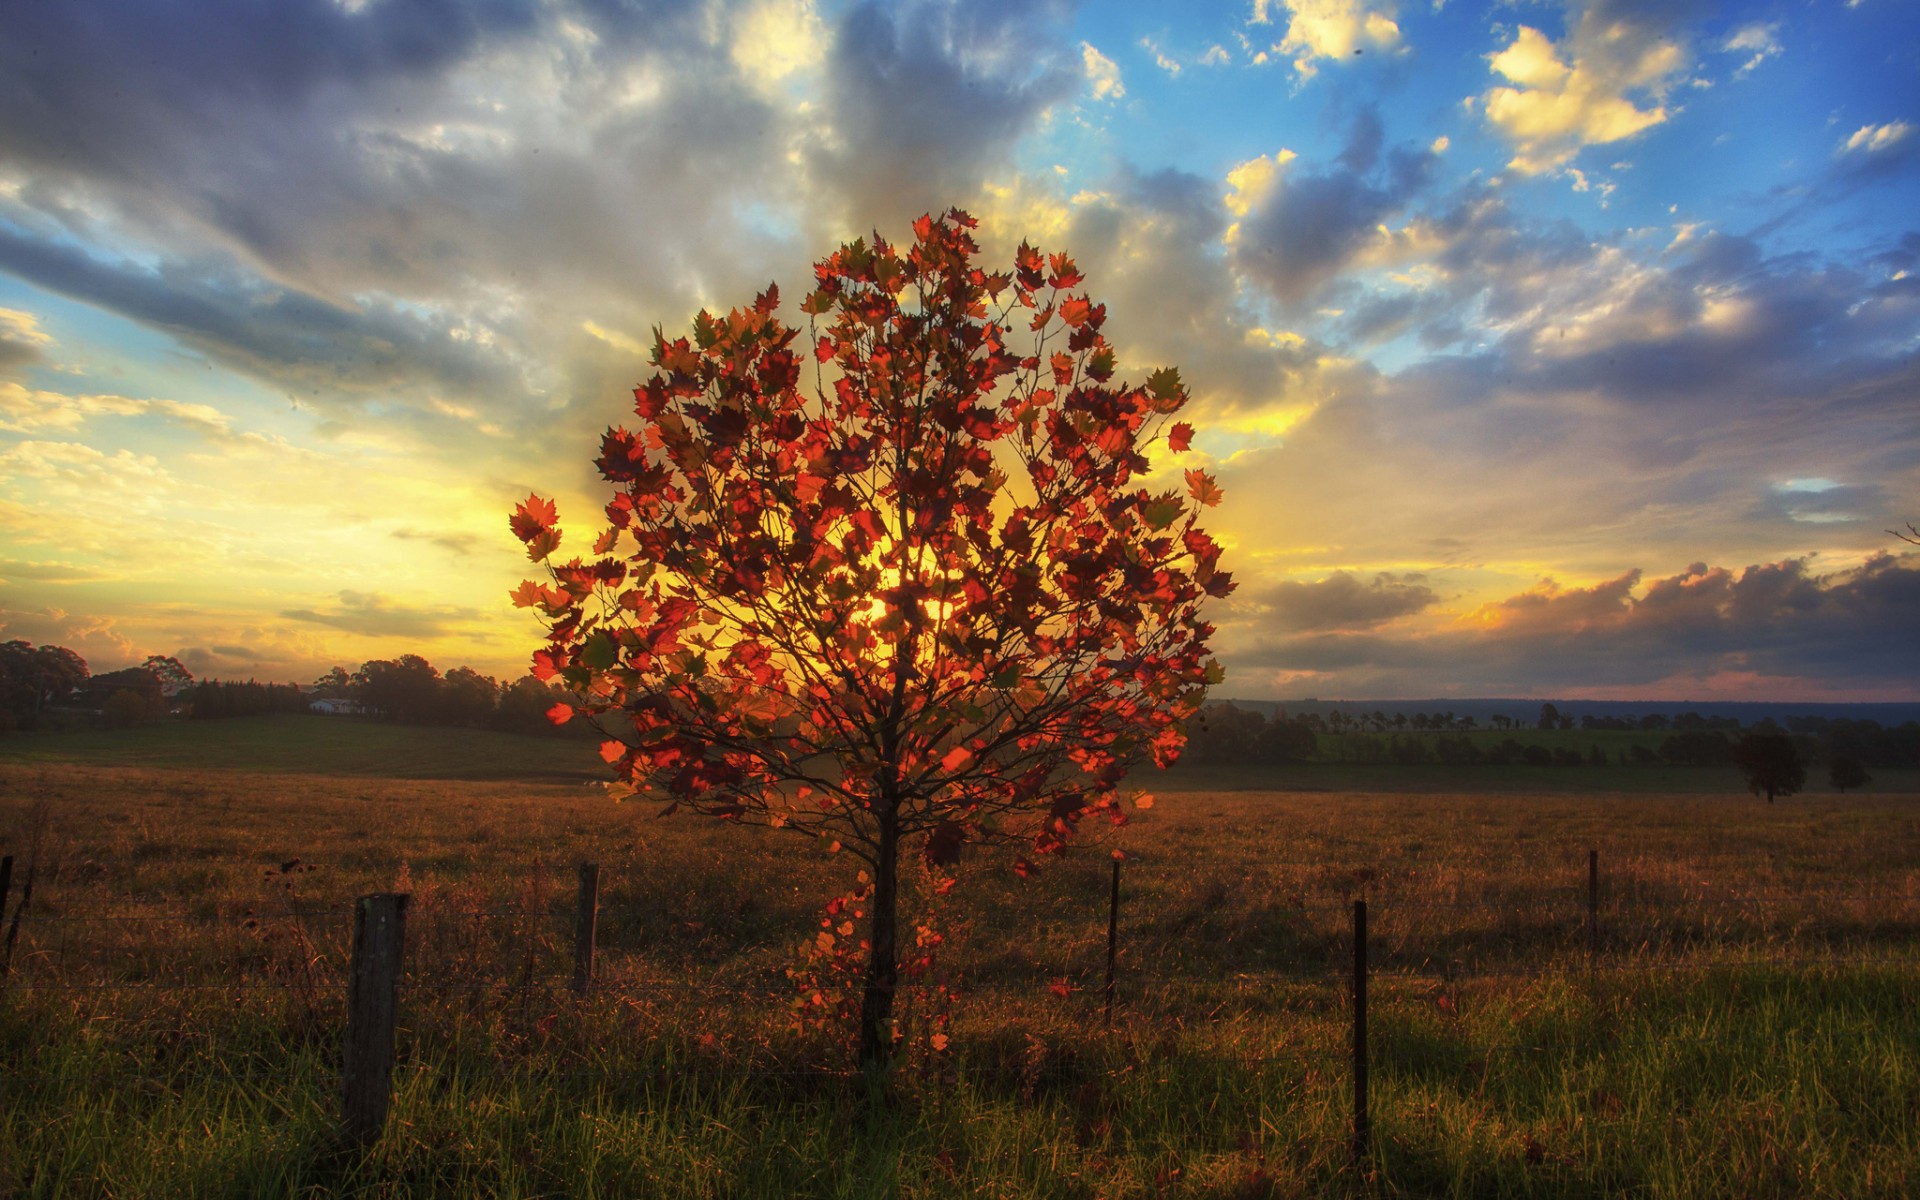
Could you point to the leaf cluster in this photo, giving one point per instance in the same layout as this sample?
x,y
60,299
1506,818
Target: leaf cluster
x,y
912,561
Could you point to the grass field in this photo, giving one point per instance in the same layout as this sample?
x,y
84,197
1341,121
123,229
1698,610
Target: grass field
x,y
171,1026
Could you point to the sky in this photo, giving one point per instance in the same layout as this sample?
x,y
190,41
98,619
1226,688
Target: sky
x,y
1565,348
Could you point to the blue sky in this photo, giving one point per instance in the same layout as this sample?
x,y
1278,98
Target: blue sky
x,y
1544,348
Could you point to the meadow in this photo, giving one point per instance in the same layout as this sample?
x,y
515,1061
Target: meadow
x,y
171,1023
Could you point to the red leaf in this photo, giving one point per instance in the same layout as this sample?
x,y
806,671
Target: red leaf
x,y
613,751
956,758
560,714
1180,437
1061,988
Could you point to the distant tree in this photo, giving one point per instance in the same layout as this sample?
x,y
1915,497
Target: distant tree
x,y
467,697
526,702
406,689
1549,717
1771,764
1284,741
334,685
126,707
174,678
34,678
1845,771
922,592
138,680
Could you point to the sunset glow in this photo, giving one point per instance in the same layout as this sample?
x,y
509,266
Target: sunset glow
x,y
1569,349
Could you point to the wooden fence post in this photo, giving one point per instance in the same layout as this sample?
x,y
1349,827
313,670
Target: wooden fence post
x,y
379,935
1113,935
1593,904
6,890
1362,1125
586,917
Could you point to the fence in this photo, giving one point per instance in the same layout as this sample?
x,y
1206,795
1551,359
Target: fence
x,y
376,986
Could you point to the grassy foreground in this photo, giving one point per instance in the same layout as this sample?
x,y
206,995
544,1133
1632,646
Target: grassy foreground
x,y
171,1026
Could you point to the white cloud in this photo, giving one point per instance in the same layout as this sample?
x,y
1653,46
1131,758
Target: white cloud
x,y
1877,139
1102,72
1568,96
777,39
1760,41
1332,29
24,410
1160,58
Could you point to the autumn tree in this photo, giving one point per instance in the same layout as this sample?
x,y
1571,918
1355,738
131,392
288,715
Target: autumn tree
x,y
1771,764
911,583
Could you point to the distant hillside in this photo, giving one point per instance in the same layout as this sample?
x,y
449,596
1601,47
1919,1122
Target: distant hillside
x,y
1526,711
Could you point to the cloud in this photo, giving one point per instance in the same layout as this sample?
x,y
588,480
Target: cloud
x,y
1760,41
1801,630
1875,141
1103,74
22,341
925,99
1300,230
461,544
1606,82
1335,30
1342,601
371,614
93,637
12,569
24,410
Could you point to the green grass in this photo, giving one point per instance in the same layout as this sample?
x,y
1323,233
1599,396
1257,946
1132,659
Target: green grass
x,y
316,745
1502,1067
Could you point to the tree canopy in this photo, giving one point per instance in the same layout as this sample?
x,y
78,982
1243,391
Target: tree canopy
x,y
912,579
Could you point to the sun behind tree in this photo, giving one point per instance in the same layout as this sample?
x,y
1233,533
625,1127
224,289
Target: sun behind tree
x,y
917,592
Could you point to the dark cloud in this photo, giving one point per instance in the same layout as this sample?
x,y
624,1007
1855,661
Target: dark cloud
x,y
290,338
1342,601
16,354
1311,225
1781,621
925,97
373,615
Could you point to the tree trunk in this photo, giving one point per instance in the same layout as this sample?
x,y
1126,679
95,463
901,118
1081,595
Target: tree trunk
x,y
876,1000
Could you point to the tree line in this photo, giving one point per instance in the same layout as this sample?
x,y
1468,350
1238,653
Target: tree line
x,y
411,691
1225,733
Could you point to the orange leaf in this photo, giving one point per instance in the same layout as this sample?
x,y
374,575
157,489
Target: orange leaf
x,y
1201,487
560,714
531,516
543,543
612,751
1180,437
1061,988
956,758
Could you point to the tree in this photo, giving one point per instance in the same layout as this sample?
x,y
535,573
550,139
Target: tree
x,y
1845,771
932,596
334,685
174,678
32,678
405,689
467,697
1771,763
1549,717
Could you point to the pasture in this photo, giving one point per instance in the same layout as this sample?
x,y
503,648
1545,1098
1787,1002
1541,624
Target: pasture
x,y
171,1022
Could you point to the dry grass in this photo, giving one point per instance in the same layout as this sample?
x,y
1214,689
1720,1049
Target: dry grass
x,y
177,948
